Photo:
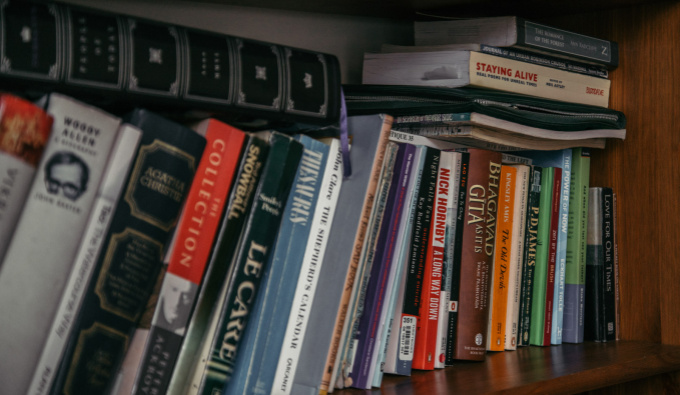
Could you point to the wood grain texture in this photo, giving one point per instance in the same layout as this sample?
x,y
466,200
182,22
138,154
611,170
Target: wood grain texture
x,y
565,369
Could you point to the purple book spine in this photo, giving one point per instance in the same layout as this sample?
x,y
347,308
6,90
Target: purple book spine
x,y
376,288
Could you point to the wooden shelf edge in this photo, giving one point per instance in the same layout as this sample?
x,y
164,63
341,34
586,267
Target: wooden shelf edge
x,y
569,368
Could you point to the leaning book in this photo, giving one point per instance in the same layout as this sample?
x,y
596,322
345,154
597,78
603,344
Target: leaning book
x,y
132,253
61,196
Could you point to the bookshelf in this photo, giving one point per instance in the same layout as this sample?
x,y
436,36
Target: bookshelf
x,y
643,170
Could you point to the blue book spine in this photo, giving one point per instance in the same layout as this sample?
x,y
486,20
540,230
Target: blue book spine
x,y
262,342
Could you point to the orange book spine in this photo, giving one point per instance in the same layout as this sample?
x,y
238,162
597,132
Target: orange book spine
x,y
501,260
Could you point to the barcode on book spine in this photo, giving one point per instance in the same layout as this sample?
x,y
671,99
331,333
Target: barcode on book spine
x,y
407,338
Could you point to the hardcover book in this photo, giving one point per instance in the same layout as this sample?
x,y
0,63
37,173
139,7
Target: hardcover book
x,y
513,31
220,345
192,247
455,69
575,271
241,197
109,192
127,269
319,349
476,257
263,338
24,131
62,195
135,61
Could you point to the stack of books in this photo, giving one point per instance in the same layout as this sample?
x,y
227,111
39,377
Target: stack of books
x,y
143,254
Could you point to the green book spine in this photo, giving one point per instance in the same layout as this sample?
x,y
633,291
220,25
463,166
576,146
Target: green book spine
x,y
542,249
575,276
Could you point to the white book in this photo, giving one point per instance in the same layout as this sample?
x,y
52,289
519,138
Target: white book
x,y
517,256
452,161
109,192
42,252
454,69
307,283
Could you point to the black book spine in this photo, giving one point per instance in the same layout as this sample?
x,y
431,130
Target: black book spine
x,y
529,260
252,253
127,268
116,61
609,282
593,320
457,254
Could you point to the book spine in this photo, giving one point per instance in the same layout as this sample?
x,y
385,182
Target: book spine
x,y
562,241
195,236
498,297
396,277
286,271
529,258
560,42
546,60
517,255
427,338
494,72
451,160
538,299
252,254
550,301
159,64
80,143
416,289
366,337
241,197
370,137
609,279
88,252
457,255
594,316
480,216
348,346
24,131
575,271
400,348
127,268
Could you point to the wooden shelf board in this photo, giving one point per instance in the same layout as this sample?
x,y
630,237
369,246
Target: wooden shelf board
x,y
569,368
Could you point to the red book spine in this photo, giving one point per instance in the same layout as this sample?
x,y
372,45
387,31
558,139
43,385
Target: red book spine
x,y
205,203
552,255
425,349
479,235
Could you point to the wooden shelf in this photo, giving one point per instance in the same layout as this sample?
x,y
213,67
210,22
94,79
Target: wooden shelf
x,y
564,369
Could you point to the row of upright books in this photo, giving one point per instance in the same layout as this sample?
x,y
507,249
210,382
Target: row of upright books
x,y
147,255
